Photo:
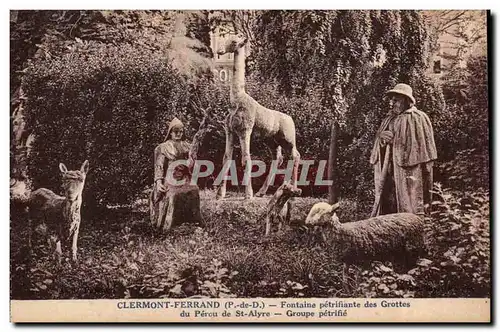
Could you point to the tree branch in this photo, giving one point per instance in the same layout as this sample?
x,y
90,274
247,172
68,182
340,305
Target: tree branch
x,y
200,134
451,22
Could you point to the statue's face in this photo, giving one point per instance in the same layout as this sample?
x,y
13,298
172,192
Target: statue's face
x,y
177,133
396,103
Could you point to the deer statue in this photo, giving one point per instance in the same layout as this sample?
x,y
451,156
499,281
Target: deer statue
x,y
248,116
60,215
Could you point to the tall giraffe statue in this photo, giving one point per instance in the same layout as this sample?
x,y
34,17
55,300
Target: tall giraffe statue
x,y
247,116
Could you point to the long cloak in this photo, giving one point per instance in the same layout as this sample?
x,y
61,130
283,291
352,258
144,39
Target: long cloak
x,y
410,176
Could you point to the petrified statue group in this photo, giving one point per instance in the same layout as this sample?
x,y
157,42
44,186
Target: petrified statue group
x,y
402,159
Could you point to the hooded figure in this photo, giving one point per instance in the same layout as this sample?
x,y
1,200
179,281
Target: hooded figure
x,y
172,149
403,156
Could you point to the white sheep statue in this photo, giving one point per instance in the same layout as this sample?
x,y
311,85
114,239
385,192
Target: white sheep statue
x,y
395,237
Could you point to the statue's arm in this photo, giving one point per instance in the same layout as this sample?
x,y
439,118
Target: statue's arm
x,y
159,165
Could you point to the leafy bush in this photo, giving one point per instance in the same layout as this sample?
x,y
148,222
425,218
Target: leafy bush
x,y
462,130
459,243
215,279
383,281
458,261
469,169
110,105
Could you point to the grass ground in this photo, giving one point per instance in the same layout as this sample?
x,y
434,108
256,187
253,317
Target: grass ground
x,y
122,256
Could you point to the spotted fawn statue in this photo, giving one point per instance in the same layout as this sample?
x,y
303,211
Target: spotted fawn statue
x,y
59,215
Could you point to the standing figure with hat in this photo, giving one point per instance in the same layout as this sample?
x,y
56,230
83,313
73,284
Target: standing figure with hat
x,y
173,148
403,156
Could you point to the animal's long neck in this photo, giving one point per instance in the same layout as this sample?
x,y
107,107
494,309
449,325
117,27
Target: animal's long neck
x,y
72,212
238,84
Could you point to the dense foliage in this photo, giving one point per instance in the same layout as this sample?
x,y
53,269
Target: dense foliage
x,y
109,105
462,133
458,261
46,34
336,66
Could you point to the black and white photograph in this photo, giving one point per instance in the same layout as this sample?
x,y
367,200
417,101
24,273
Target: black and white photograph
x,y
250,154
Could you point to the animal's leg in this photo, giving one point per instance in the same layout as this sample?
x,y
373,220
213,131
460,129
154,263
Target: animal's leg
x,y
323,236
30,237
263,190
74,245
32,225
284,215
268,225
345,281
246,162
153,211
296,161
58,251
288,207
279,155
228,155
280,223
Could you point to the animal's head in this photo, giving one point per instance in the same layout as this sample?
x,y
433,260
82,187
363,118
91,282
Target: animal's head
x,y
232,44
18,189
73,181
288,190
18,126
322,214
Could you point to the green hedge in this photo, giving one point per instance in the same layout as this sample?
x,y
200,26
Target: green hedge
x,y
110,105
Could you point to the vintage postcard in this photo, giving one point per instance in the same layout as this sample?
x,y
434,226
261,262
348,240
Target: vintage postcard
x,y
240,166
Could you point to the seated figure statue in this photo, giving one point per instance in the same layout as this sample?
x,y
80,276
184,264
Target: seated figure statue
x,y
172,202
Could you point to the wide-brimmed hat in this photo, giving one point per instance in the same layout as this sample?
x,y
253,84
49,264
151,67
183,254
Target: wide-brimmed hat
x,y
403,89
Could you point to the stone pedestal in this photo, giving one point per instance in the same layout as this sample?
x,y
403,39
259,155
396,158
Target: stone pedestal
x,y
178,205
